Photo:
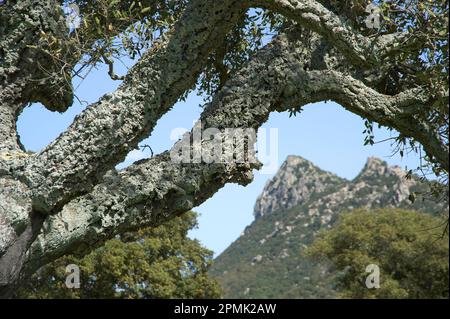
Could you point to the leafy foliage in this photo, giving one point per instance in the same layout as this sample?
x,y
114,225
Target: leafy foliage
x,y
410,248
421,60
159,262
112,30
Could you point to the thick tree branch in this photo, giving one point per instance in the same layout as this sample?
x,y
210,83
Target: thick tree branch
x,y
102,135
393,111
8,115
146,194
359,49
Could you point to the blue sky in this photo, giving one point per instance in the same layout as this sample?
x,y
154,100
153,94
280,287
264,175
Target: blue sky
x,y
323,133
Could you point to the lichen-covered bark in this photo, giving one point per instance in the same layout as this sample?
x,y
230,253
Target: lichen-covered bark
x,y
8,115
26,74
101,136
360,50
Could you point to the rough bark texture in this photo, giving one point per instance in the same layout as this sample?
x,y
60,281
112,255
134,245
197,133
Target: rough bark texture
x,y
69,198
102,135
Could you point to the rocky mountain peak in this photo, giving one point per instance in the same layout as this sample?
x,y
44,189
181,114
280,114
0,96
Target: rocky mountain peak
x,y
296,180
376,167
375,164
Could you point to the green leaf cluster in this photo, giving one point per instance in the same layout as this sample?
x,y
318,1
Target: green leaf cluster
x,y
410,248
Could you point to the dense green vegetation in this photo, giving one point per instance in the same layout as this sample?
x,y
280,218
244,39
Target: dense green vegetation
x,y
411,250
159,262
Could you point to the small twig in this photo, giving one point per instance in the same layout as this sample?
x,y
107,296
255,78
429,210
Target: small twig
x,y
147,146
111,72
387,139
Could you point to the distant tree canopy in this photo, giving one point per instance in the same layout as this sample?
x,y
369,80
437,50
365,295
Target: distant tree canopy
x,y
410,248
157,262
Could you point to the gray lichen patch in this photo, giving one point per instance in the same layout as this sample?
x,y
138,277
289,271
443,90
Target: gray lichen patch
x,y
7,235
15,203
15,208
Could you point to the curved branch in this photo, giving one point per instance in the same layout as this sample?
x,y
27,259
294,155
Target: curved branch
x,y
21,68
22,79
8,114
359,49
396,111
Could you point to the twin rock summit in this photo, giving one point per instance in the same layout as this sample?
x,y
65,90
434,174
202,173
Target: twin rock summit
x,y
300,200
